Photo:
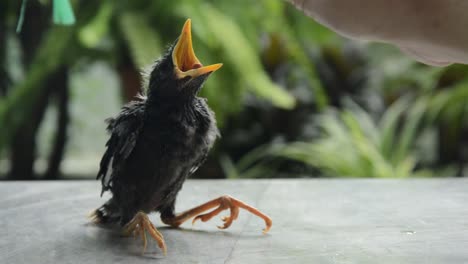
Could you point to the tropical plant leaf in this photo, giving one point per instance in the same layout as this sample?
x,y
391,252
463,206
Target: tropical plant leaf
x,y
92,34
388,125
143,42
238,54
409,131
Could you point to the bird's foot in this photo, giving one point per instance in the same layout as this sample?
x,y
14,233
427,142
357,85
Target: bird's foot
x,y
95,217
222,203
100,216
139,225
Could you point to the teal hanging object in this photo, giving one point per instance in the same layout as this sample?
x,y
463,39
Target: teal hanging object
x,y
19,26
63,12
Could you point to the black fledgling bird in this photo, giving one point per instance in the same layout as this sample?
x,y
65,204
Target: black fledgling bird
x,y
156,143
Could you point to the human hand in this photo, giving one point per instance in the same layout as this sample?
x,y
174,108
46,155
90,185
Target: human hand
x,y
431,31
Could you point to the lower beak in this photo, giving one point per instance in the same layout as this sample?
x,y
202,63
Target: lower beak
x,y
184,59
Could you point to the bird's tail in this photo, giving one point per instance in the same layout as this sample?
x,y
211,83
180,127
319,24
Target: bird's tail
x,y
108,213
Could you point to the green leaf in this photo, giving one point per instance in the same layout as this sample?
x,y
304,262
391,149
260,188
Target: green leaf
x,y
63,12
91,34
238,54
345,149
409,131
389,123
142,40
19,26
228,167
449,98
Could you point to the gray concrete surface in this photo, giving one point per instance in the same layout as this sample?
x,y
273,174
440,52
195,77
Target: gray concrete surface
x,y
314,221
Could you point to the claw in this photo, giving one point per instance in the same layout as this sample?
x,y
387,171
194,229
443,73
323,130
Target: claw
x,y
94,217
143,236
196,219
208,216
141,224
222,203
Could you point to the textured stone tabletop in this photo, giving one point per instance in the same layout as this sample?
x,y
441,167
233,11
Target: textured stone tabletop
x,y
314,221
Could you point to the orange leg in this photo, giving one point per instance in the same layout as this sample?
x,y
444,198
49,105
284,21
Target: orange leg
x,y
222,203
139,225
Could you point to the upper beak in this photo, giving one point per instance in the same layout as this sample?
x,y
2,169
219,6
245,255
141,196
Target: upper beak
x,y
184,59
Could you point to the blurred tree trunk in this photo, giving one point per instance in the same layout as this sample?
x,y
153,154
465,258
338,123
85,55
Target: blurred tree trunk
x,y
58,149
24,145
450,141
452,133
129,75
4,78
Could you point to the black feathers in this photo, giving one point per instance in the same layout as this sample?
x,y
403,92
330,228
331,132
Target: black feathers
x,y
155,144
124,131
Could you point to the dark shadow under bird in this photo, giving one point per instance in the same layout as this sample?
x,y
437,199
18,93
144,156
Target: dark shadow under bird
x,y
157,142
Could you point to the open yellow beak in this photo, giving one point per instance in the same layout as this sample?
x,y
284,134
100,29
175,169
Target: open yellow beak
x,y
184,59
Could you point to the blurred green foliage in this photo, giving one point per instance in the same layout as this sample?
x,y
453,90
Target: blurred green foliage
x,y
291,93
354,143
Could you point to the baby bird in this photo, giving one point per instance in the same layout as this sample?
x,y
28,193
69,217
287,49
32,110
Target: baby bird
x,y
157,142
